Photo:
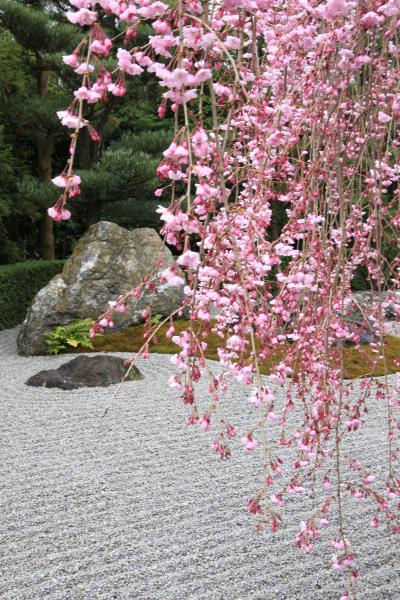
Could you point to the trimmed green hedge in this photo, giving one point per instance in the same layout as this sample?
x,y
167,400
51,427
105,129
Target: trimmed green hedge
x,y
18,285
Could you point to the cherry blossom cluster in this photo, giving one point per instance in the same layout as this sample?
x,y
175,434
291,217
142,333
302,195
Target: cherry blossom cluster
x,y
284,109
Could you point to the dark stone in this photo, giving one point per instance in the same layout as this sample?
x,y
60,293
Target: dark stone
x,y
85,371
367,301
390,312
361,328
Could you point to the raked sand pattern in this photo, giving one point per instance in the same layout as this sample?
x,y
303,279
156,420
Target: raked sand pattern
x,y
135,506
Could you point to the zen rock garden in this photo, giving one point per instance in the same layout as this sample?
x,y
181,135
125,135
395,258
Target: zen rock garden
x,y
107,261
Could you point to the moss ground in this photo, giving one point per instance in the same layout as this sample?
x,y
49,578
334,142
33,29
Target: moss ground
x,y
358,362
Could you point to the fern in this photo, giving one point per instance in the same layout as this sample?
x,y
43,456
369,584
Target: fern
x,y
73,335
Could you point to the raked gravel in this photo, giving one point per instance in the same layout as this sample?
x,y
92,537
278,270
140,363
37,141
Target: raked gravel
x,y
136,506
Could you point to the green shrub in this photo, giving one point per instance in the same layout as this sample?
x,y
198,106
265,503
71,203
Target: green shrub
x,y
74,335
19,283
360,281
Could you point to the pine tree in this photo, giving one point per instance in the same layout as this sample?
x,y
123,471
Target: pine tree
x,y
39,29
118,173
121,184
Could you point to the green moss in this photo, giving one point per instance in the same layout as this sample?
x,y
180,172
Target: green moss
x,y
131,340
358,362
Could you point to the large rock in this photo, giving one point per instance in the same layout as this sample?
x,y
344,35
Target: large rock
x,y
368,301
362,329
107,261
86,371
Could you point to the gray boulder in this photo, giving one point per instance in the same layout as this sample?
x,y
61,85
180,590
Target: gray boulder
x,y
107,261
86,371
368,301
363,330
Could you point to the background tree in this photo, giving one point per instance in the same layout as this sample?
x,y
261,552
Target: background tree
x,y
42,35
121,185
34,84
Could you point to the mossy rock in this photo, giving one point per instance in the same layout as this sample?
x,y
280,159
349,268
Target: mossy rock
x,y
86,371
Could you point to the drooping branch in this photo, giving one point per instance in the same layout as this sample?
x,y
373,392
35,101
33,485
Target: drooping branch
x,y
283,111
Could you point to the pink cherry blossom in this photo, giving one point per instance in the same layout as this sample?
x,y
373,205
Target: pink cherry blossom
x,y
80,3
156,9
189,259
249,442
205,423
384,118
201,76
101,47
117,89
390,9
375,522
236,342
71,60
106,322
172,278
276,499
200,144
125,63
231,431
337,8
66,181
254,506
371,19
84,68
69,119
232,4
84,93
174,382
82,17
58,214
177,78
129,14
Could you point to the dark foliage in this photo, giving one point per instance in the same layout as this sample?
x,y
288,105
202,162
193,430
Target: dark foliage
x,y
18,285
118,173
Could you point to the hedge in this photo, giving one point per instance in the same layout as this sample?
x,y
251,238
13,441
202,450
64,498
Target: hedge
x,y
19,283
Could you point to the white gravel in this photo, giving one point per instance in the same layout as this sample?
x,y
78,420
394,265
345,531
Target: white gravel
x,y
136,506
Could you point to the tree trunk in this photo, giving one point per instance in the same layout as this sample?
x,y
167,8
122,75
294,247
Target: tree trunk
x,y
83,150
277,208
92,204
92,211
46,236
46,228
45,150
84,160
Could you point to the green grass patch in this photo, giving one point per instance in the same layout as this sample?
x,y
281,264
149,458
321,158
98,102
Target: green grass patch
x,y
358,362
